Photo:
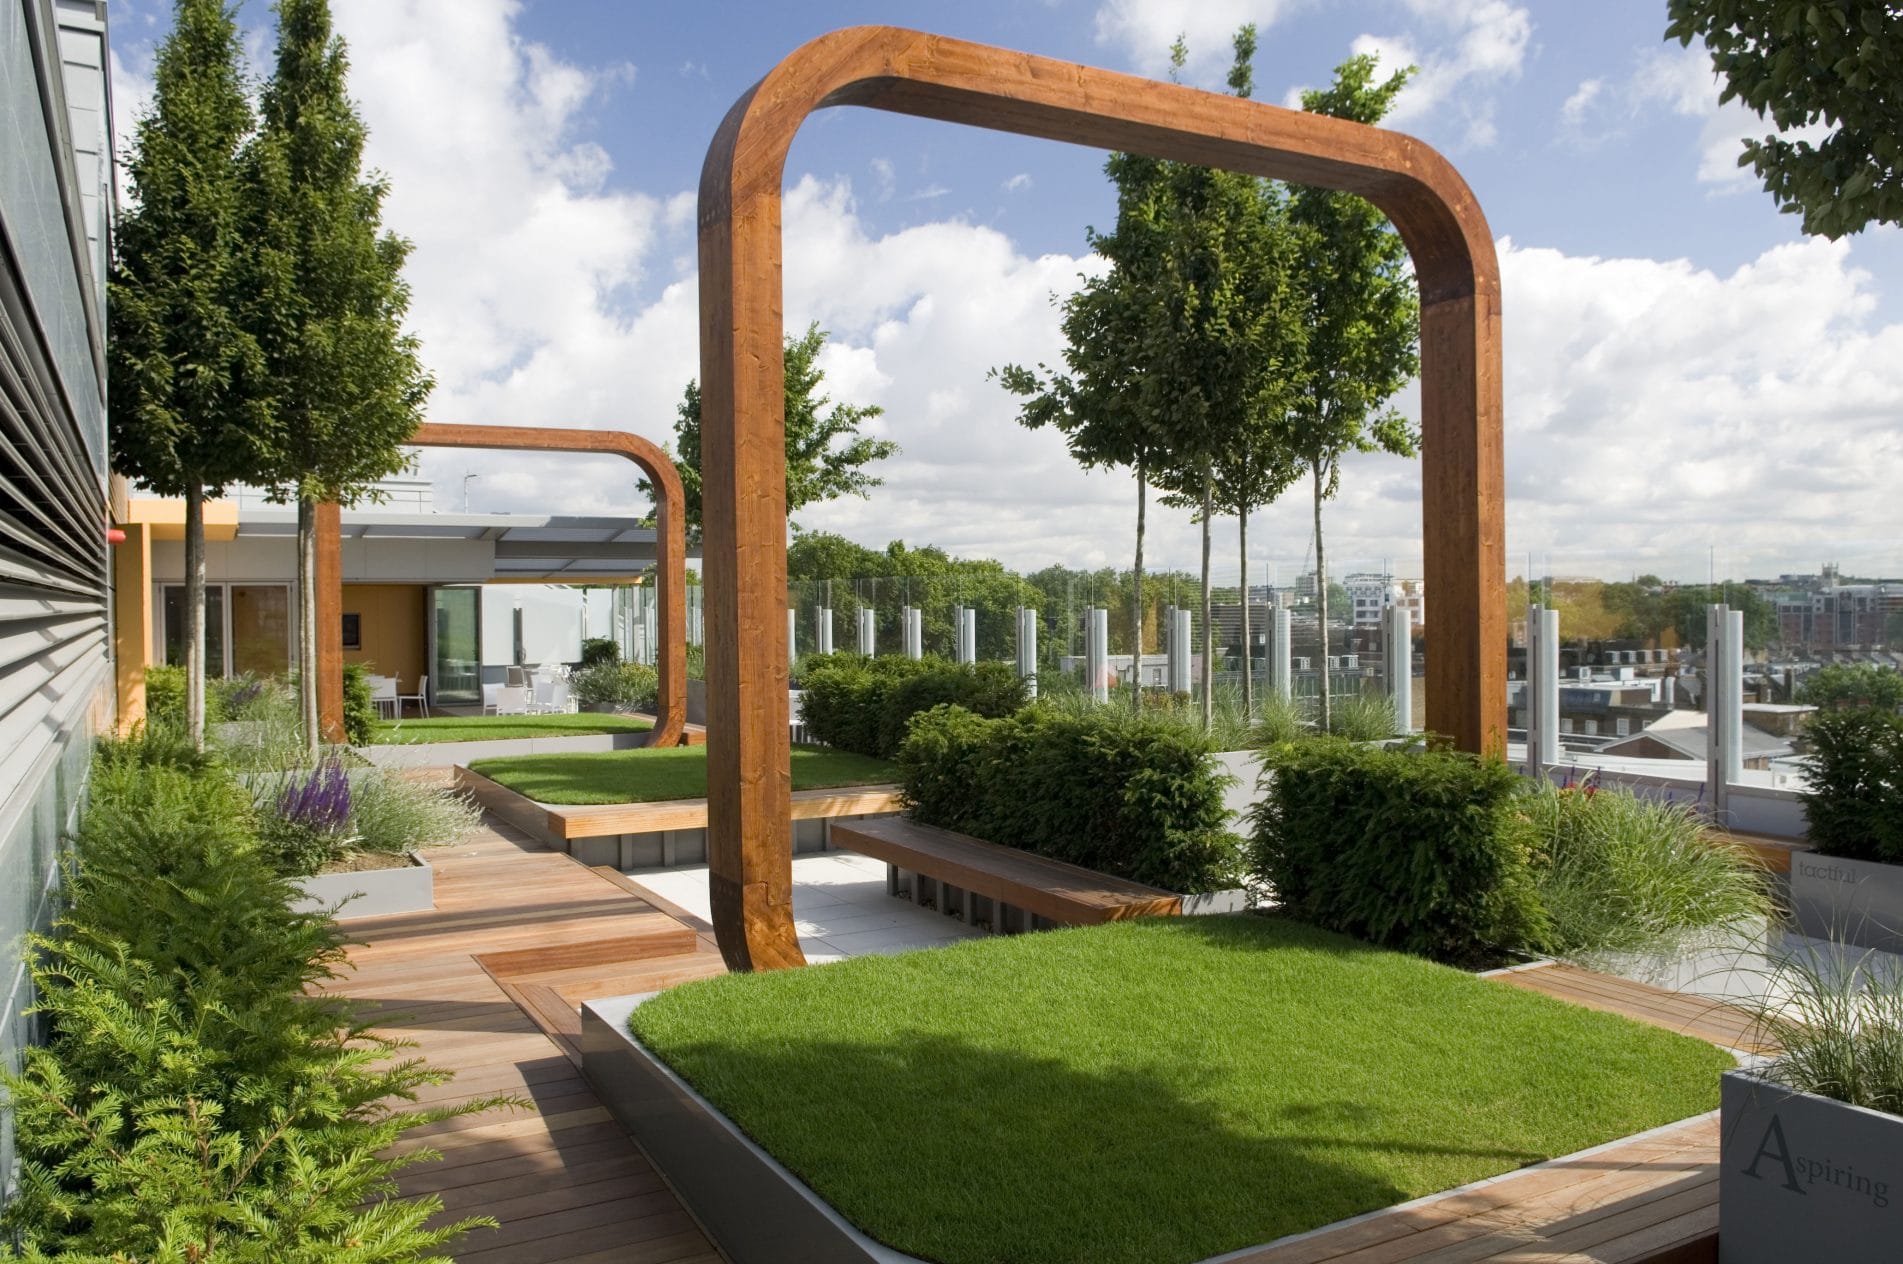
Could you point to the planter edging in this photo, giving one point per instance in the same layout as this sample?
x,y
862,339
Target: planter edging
x,y
1850,901
755,1210
1775,1143
407,888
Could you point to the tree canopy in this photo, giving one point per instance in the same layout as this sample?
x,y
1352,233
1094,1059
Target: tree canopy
x,y
826,456
1843,686
190,403
1837,64
350,385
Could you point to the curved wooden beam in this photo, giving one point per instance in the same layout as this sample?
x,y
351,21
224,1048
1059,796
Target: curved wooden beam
x,y
742,439
670,538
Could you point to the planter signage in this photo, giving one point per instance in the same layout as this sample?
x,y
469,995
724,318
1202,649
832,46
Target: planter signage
x,y
1851,901
1802,1177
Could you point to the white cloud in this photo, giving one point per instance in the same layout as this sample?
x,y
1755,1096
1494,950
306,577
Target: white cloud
x,y
1145,29
1681,82
1471,49
1018,183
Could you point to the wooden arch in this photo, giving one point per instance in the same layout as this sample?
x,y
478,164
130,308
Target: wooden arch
x,y
742,441
670,545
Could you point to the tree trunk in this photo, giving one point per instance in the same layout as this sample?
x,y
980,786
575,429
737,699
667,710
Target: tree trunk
x,y
1248,644
1321,598
195,612
1136,593
307,619
1209,633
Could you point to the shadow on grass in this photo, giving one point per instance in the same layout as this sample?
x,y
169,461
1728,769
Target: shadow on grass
x,y
969,1155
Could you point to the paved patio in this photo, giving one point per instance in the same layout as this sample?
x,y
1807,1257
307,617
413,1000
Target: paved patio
x,y
839,907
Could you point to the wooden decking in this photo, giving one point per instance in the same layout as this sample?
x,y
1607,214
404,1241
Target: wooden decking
x,y
488,985
555,824
519,930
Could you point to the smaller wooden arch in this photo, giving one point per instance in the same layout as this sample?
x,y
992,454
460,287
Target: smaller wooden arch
x,y
670,532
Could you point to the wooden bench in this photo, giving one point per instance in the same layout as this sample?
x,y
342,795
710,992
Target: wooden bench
x,y
983,883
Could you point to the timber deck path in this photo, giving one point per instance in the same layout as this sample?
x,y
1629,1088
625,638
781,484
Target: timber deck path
x,y
488,985
517,931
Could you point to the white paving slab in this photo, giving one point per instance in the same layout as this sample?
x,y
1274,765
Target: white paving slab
x,y
840,907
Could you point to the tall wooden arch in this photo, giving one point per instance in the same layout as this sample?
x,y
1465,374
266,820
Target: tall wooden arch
x,y
670,546
742,439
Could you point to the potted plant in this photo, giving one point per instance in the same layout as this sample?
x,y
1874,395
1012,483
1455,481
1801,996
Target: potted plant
x,y
1811,1149
615,687
1851,890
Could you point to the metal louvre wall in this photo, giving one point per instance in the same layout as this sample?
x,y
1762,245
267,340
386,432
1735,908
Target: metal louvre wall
x,y
55,668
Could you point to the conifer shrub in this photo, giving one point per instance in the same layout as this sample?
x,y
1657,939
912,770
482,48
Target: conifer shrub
x,y
360,708
1855,801
191,1100
1415,850
865,705
1135,796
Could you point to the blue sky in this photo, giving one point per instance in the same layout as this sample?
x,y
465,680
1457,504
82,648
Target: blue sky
x,y
1685,371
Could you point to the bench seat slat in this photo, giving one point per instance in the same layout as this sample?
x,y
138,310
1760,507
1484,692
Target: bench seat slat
x,y
1052,889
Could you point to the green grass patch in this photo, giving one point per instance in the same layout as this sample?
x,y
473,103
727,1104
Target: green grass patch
x,y
654,776
1160,1091
489,728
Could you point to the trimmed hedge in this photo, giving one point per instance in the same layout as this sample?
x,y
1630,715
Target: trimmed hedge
x,y
1417,850
1132,796
864,705
1855,800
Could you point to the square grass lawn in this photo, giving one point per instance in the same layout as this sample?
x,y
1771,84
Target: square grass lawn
x,y
1156,1091
655,776
488,728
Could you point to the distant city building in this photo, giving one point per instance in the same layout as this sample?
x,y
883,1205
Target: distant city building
x,y
1820,612
1369,593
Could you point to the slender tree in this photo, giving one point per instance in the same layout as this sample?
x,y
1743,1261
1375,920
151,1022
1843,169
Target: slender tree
x,y
349,384
1802,63
190,407
1179,350
1096,403
826,455
1363,320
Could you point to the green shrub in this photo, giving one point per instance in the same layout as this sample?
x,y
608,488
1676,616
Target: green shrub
x,y
360,708
1617,873
1362,717
1408,849
164,696
1836,1017
599,649
1855,800
864,705
191,1100
623,686
393,813
1129,795
1280,719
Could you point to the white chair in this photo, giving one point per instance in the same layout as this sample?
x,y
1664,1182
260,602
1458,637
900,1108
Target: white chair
x,y
515,677
542,696
420,697
511,700
383,694
558,697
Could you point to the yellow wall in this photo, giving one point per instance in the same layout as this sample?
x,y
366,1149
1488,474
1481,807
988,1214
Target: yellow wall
x,y
394,629
132,620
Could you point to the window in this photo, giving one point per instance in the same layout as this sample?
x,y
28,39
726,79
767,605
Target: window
x,y
247,628
1622,727
353,631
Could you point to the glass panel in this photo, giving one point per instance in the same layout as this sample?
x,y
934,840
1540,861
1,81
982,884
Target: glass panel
x,y
214,627
455,647
260,629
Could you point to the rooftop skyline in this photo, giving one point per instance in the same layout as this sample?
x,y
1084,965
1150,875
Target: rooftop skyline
x,y
1685,372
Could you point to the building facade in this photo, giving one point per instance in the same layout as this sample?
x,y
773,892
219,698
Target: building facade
x,y
56,198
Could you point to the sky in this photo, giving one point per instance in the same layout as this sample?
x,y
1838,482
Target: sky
x,y
1692,384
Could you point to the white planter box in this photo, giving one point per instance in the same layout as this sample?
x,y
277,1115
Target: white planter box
x,y
1851,901
409,888
1802,1177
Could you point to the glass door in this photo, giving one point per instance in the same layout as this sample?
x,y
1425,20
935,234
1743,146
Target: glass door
x,y
260,629
174,627
456,646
